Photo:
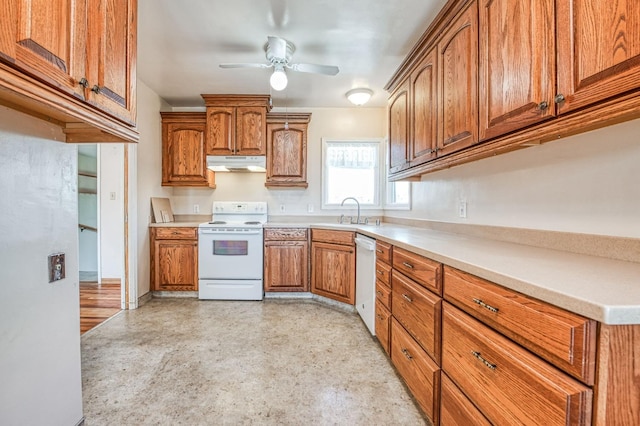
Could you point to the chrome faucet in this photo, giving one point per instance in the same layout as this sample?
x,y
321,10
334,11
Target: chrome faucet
x,y
357,202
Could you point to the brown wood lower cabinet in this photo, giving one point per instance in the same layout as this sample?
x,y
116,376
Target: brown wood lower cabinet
x,y
334,265
455,407
418,370
383,318
286,259
507,383
174,259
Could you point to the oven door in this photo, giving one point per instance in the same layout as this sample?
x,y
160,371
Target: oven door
x,y
230,255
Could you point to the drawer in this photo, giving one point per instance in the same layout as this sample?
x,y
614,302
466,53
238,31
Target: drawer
x,y
383,272
285,234
425,272
383,294
507,383
455,407
419,311
565,339
383,252
383,317
177,233
334,237
417,369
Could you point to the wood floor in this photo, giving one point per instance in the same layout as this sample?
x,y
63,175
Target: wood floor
x,y
98,302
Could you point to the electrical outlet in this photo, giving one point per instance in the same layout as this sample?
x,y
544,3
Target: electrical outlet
x,y
196,208
56,267
112,195
282,208
462,209
309,208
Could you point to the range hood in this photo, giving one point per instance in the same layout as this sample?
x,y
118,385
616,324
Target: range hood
x,y
237,163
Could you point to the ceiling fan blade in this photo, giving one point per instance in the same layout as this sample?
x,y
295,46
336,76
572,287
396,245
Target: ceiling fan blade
x,y
277,46
245,65
318,69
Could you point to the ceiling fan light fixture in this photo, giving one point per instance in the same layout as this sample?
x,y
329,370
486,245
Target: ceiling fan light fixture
x,y
359,96
278,79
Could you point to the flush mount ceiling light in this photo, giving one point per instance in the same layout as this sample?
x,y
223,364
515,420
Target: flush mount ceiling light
x,y
359,96
278,79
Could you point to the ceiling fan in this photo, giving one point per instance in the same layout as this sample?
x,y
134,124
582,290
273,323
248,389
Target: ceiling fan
x,y
279,52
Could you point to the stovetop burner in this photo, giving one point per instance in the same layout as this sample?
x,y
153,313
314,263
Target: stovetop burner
x,y
253,222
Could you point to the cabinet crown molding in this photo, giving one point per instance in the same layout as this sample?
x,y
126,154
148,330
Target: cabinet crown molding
x,y
296,117
237,101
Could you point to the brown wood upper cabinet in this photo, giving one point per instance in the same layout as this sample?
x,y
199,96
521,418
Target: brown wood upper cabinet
x,y
398,128
236,124
85,49
287,150
183,150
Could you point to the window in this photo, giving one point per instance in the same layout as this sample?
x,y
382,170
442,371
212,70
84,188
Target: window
x,y
351,169
398,196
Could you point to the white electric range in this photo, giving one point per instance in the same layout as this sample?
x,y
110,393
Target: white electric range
x,y
230,252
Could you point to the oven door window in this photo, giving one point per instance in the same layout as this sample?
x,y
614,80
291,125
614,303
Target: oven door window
x,y
230,248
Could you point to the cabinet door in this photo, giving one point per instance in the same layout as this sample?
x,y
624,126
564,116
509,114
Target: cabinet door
x,y
334,271
598,50
285,266
183,158
251,129
287,155
424,108
399,129
517,64
383,322
111,57
221,130
175,265
47,39
457,83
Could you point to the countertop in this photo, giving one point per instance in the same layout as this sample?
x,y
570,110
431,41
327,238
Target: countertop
x,y
599,288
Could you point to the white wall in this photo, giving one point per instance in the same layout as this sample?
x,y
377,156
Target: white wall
x,y
88,214
587,183
148,155
348,123
111,211
39,322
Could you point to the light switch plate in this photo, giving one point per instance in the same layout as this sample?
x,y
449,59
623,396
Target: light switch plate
x,y
56,267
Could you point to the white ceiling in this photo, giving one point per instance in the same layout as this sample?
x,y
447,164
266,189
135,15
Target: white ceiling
x,y
181,43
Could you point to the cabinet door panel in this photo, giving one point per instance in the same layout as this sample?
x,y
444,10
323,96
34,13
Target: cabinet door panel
x,y
334,272
47,38
286,266
286,153
517,64
598,50
176,265
424,105
399,129
112,56
183,158
458,87
251,129
220,130
383,319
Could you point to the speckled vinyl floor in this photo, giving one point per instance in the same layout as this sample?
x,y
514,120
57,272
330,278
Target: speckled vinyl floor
x,y
192,362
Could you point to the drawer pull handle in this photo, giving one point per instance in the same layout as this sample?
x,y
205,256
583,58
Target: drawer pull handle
x,y
378,250
380,272
378,292
407,298
484,361
380,317
407,354
408,265
484,305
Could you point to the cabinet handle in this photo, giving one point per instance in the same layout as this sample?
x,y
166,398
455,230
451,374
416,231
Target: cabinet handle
x,y
379,271
408,265
378,250
484,305
484,361
378,292
83,82
407,298
407,354
380,317
543,105
559,98
96,89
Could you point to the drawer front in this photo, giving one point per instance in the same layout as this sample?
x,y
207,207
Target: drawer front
x,y
285,234
419,311
383,272
565,339
418,370
425,272
383,252
455,407
334,237
383,317
178,233
383,294
507,383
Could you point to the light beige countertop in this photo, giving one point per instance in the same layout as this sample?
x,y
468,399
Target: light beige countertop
x,y
599,288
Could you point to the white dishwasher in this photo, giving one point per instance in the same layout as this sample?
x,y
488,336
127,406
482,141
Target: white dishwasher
x,y
366,280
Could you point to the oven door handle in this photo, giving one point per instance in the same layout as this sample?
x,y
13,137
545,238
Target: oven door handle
x,y
212,232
